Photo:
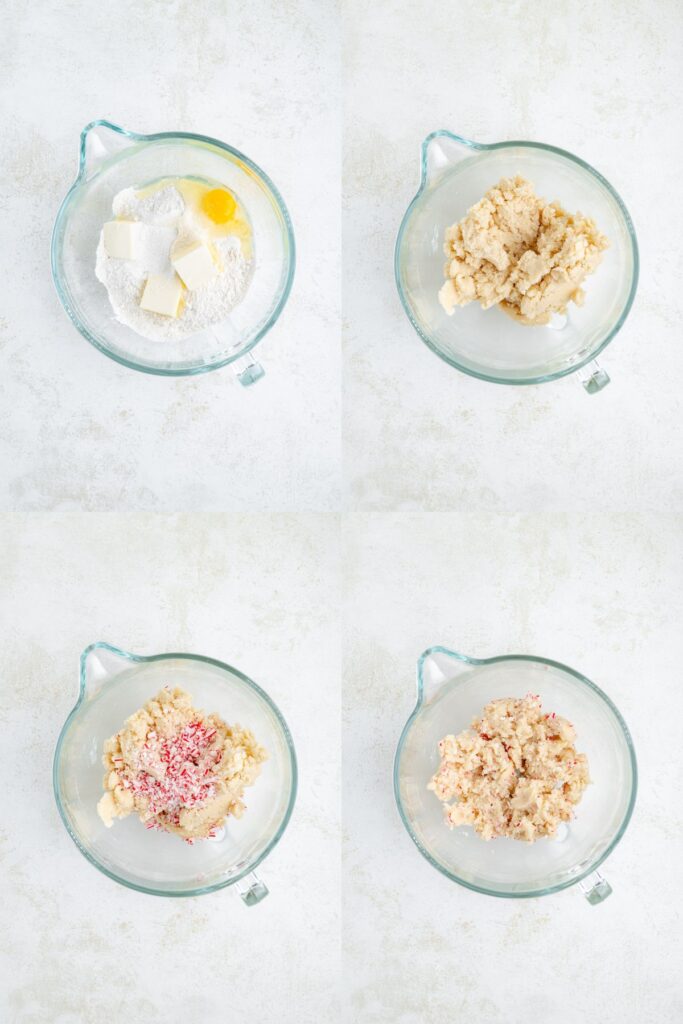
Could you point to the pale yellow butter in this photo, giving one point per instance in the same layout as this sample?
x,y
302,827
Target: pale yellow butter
x,y
122,239
162,295
194,266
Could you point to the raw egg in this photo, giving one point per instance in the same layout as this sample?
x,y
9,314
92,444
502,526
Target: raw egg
x,y
218,205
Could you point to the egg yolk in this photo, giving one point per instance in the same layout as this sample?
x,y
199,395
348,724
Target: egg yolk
x,y
218,205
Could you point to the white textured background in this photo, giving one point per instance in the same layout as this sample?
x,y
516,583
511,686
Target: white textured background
x,y
600,78
77,947
603,596
438,469
84,431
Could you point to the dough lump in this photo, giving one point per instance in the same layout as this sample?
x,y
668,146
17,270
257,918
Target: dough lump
x,y
180,770
514,773
515,250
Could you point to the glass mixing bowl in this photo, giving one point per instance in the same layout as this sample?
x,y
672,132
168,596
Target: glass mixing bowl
x,y
112,159
113,685
451,690
487,343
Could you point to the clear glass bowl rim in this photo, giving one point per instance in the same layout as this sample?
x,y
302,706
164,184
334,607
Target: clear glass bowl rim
x,y
478,147
438,649
138,659
62,216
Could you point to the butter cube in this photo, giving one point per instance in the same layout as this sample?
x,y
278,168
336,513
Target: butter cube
x,y
122,239
195,266
162,294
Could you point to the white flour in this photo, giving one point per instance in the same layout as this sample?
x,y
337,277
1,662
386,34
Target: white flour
x,y
164,218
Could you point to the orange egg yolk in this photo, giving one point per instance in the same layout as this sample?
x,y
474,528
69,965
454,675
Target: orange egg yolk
x,y
218,205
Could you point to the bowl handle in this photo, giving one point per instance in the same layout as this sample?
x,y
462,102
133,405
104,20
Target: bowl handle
x,y
595,888
594,378
248,371
251,889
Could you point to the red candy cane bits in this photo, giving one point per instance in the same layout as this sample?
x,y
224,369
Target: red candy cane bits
x,y
176,772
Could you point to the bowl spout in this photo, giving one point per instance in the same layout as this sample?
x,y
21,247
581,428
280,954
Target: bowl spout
x,y
441,150
436,666
100,663
100,140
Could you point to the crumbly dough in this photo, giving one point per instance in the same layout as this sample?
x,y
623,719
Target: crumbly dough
x,y
514,773
515,250
180,770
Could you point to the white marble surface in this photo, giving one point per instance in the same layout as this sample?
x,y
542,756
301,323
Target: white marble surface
x,y
191,514
85,432
601,79
602,595
77,947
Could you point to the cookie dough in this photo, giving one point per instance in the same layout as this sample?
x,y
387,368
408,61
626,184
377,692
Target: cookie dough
x,y
514,773
514,250
178,769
